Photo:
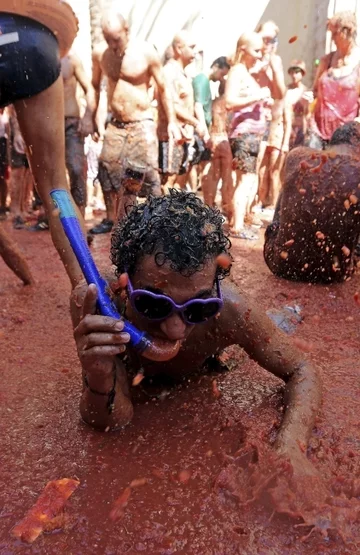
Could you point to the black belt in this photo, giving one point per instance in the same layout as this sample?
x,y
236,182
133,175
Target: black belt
x,y
124,124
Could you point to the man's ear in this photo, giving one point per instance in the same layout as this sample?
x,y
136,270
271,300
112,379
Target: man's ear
x,y
117,285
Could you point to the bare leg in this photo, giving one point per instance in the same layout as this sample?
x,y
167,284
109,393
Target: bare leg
x,y
276,163
41,120
193,179
76,165
17,184
264,179
246,184
14,259
260,156
227,189
3,192
252,192
27,190
169,182
209,184
181,180
214,179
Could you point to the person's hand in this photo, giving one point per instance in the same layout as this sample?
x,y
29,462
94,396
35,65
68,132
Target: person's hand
x,y
308,96
209,143
207,140
98,134
98,339
19,143
174,132
86,126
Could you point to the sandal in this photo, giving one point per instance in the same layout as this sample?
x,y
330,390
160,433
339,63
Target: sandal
x,y
246,234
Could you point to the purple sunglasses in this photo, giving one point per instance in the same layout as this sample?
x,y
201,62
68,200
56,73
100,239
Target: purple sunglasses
x,y
158,307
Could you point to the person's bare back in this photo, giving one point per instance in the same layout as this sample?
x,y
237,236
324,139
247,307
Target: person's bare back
x,y
316,223
70,84
219,116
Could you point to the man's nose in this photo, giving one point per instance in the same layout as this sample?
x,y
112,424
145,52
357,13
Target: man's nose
x,y
173,327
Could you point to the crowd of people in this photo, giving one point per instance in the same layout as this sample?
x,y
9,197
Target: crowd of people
x,y
163,138
162,126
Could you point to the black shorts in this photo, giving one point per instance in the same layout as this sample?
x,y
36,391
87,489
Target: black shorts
x,y
29,58
201,153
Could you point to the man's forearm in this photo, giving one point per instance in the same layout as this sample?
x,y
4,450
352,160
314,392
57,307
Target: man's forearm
x,y
104,405
168,105
302,402
185,116
92,101
199,113
96,102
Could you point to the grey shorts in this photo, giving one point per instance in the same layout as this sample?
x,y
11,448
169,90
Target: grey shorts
x,y
129,156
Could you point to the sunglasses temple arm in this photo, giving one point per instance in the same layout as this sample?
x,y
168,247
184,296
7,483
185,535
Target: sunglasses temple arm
x,y
71,225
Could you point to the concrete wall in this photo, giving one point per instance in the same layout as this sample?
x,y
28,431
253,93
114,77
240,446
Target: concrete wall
x,y
82,43
295,19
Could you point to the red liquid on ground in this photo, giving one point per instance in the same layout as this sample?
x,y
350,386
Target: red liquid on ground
x,y
183,446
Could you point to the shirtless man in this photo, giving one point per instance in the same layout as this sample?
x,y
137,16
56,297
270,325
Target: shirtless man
x,y
273,149
76,129
317,221
179,259
173,158
128,164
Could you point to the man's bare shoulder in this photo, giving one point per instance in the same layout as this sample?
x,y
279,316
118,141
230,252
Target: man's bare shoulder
x,y
235,300
137,48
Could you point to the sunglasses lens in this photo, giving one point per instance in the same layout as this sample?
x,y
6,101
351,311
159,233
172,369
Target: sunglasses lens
x,y
154,309
198,312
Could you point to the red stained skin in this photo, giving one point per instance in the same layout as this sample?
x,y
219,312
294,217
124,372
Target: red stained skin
x,y
43,438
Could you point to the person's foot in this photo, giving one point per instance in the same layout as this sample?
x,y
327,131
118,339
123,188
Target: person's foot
x,y
105,226
18,222
253,220
245,233
41,225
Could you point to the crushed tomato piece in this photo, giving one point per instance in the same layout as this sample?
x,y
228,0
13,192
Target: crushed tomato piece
x,y
48,506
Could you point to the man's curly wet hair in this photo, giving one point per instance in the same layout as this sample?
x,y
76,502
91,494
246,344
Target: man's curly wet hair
x,y
177,228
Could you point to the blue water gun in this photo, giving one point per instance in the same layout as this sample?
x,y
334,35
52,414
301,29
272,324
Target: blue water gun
x,y
69,220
